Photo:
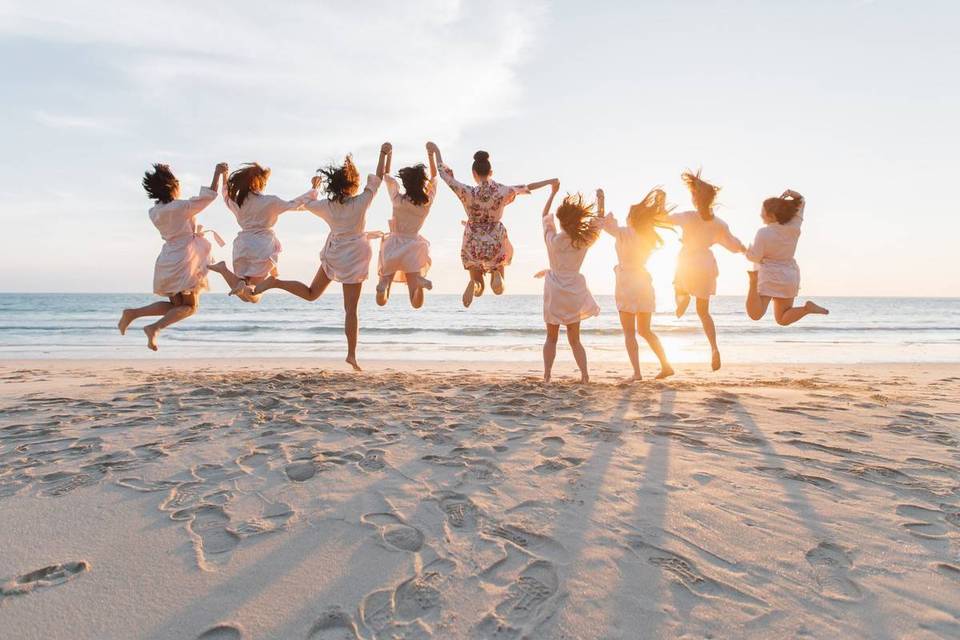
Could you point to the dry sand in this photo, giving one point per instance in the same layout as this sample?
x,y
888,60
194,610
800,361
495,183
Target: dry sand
x,y
231,499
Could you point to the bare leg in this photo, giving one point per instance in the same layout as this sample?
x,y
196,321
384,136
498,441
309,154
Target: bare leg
x,y
643,328
383,289
474,287
311,293
703,310
351,321
129,315
683,301
579,353
415,288
229,277
756,304
629,323
550,350
786,313
496,281
187,308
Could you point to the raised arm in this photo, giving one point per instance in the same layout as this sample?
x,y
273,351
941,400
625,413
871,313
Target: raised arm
x,y
601,203
433,149
554,188
218,171
798,218
386,151
432,160
533,186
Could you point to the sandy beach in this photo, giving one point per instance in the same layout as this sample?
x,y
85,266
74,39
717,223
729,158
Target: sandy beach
x,y
292,499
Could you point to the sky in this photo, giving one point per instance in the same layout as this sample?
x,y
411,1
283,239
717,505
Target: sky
x,y
854,103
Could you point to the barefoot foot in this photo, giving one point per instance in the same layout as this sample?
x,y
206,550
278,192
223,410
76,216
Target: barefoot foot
x,y
715,361
352,361
125,319
496,282
665,372
151,332
383,293
468,293
813,307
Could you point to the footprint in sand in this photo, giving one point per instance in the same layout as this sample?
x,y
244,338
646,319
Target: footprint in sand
x,y
398,613
209,526
924,523
527,540
395,532
301,471
334,624
830,564
221,632
529,600
373,460
51,576
460,510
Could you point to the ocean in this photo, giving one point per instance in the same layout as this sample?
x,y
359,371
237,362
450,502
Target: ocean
x,y
505,328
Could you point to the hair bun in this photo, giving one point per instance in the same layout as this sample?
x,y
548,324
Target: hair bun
x,y
481,156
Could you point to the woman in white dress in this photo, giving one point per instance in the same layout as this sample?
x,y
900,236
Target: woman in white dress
x,y
256,249
404,253
696,266
180,272
776,275
566,299
486,246
635,297
347,254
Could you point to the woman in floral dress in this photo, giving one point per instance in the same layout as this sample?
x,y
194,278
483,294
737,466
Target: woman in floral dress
x,y
486,247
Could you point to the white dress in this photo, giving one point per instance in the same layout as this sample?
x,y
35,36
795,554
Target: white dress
x,y
182,264
696,266
634,292
404,250
486,246
346,255
566,298
256,248
772,251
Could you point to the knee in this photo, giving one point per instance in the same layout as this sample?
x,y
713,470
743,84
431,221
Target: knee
x,y
573,341
646,334
703,313
755,314
551,340
416,303
312,295
781,320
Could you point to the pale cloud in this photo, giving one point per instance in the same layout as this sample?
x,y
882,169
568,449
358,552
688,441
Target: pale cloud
x,y
75,122
294,75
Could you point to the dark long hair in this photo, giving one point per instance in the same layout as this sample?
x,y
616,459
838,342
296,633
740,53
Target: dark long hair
x,y
782,209
576,219
415,183
481,164
702,193
340,182
160,183
649,214
250,177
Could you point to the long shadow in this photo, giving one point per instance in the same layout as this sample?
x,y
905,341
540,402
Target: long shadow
x,y
650,515
797,500
597,467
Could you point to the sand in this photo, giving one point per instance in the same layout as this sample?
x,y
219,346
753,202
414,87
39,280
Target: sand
x,y
293,499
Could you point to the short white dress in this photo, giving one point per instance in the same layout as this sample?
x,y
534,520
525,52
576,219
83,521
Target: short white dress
x,y
772,253
486,246
347,254
566,298
404,250
634,292
256,248
696,265
182,264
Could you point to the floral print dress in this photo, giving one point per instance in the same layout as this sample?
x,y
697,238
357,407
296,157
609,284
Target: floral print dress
x,y
486,246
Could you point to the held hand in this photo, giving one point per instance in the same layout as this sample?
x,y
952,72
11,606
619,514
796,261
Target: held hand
x,y
431,147
386,148
223,168
315,182
554,186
